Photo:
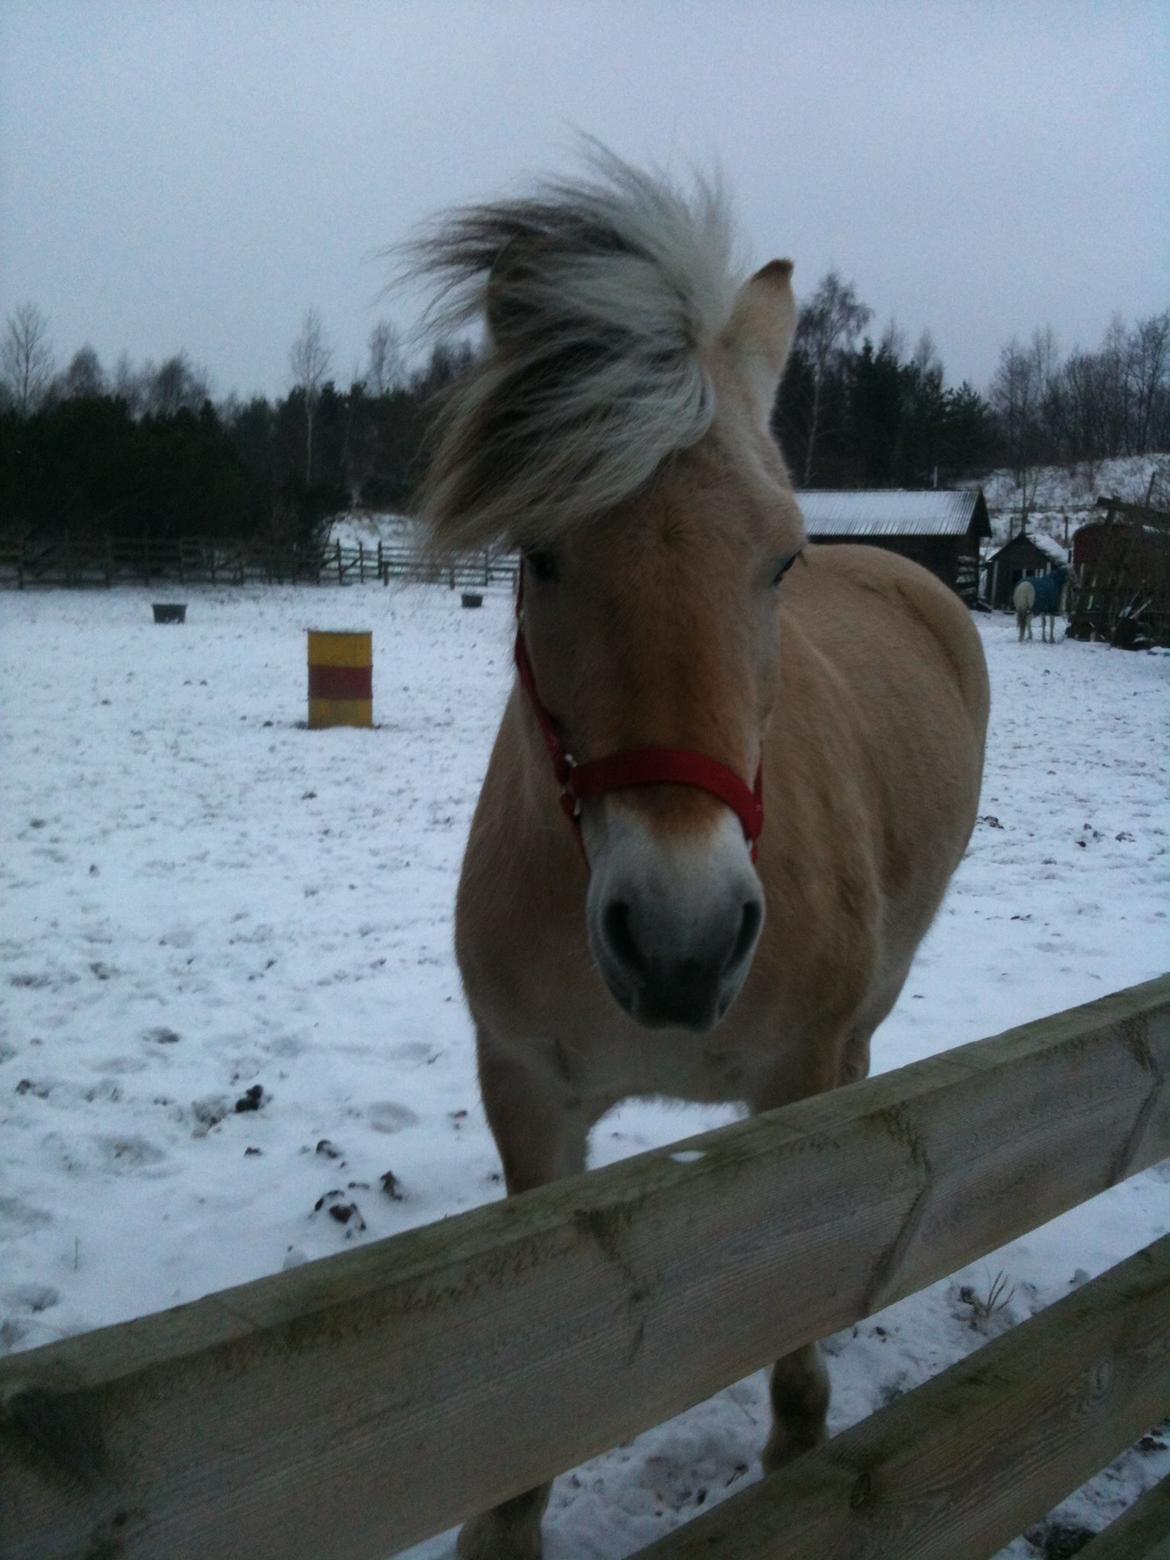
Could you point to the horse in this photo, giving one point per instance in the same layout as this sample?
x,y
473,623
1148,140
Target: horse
x,y
687,668
1045,594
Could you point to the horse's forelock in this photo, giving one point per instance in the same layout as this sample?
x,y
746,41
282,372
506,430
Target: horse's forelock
x,y
599,299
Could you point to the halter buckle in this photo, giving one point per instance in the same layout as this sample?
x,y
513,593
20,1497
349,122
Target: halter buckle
x,y
570,801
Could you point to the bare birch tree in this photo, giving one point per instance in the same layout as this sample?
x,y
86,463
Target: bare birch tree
x,y
84,378
1021,396
830,323
26,358
386,370
310,359
174,386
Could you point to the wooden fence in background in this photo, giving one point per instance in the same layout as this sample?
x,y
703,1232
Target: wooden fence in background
x,y
65,560
350,1407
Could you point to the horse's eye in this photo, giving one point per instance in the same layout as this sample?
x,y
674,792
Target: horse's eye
x,y
542,565
784,567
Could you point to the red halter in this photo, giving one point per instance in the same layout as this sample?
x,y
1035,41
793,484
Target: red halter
x,y
635,766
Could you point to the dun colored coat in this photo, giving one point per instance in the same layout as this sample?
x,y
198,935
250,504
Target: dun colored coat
x,y
616,429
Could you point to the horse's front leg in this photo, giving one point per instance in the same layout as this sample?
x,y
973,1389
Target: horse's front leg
x,y
799,1391
799,1387
541,1129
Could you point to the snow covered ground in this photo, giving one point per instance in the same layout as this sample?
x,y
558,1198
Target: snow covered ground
x,y
229,993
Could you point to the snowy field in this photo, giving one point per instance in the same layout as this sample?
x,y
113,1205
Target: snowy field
x,y
230,1005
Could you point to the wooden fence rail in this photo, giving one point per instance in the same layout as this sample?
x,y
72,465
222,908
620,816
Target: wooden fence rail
x,y
74,561
1141,1533
352,1406
935,1476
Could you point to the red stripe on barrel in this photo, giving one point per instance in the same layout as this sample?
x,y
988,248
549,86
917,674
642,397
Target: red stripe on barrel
x,y
341,682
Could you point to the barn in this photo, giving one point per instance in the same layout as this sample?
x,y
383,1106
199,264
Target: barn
x,y
1019,559
939,528
1122,565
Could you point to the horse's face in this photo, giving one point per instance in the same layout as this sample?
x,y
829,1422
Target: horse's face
x,y
657,628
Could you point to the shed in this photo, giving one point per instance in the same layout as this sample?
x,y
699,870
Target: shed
x,y
1019,559
940,528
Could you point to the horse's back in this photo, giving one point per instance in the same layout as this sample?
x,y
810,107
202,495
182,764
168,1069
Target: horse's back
x,y
886,621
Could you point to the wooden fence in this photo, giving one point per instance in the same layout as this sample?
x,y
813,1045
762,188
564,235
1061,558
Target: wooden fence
x,y
66,560
345,1409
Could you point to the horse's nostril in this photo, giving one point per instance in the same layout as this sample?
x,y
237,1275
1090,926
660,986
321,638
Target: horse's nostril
x,y
616,921
749,928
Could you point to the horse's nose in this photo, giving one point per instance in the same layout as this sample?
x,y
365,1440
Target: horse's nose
x,y
668,970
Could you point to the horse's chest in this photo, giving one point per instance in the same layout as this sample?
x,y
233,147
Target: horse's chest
x,y
671,1064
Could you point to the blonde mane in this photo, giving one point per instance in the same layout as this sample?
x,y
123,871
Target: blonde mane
x,y
600,298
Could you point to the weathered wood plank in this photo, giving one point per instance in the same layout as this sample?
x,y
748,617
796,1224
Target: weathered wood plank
x,y
357,1404
959,1467
1141,1533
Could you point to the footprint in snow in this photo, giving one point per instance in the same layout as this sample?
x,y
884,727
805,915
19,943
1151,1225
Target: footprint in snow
x,y
32,1297
410,1051
19,1218
388,1116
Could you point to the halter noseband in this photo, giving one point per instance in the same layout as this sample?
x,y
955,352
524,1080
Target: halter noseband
x,y
634,766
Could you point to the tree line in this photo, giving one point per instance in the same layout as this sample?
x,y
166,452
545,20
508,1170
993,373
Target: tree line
x,y
146,450
858,412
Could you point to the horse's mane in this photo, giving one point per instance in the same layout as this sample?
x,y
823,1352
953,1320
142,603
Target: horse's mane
x,y
599,296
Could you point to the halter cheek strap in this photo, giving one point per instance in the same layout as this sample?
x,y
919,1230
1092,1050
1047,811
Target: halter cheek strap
x,y
635,766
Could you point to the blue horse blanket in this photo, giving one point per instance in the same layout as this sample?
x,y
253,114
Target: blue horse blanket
x,y
1049,588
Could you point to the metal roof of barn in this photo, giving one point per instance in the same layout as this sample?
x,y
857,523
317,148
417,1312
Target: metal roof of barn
x,y
893,512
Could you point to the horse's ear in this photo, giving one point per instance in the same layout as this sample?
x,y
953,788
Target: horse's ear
x,y
759,334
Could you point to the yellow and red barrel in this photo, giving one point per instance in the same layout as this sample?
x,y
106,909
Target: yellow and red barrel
x,y
341,678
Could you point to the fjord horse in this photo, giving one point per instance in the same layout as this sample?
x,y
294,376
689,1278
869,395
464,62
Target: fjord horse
x,y
727,794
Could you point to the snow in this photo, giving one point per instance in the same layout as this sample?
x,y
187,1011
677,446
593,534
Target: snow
x,y
1077,487
1060,499
369,527
230,1005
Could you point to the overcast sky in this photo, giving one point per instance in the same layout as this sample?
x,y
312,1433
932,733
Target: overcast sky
x,y
197,173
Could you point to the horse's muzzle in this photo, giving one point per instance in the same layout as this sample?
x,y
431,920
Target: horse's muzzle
x,y
673,926
689,989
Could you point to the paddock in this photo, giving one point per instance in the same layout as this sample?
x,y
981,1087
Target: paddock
x,y
127,1189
